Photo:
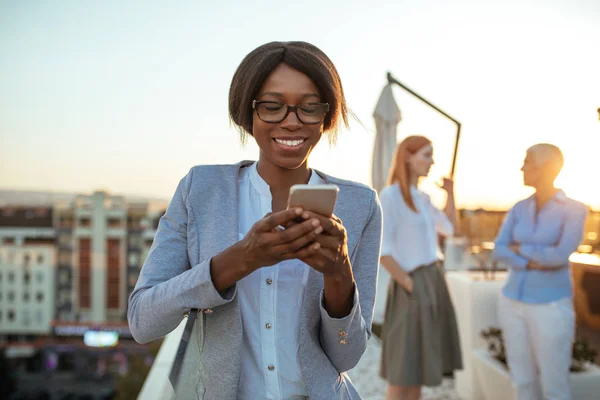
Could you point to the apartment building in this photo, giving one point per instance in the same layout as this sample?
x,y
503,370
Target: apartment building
x,y
76,260
27,270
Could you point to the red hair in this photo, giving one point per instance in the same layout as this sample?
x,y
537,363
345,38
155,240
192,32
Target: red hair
x,y
399,169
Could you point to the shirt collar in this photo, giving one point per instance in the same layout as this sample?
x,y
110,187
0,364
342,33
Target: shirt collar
x,y
560,197
263,188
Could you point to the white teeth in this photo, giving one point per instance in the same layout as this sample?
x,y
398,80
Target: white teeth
x,y
290,143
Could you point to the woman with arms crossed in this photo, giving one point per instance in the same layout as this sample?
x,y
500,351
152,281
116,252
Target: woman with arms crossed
x,y
536,306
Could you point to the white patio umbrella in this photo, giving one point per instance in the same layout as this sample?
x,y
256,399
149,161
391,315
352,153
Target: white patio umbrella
x,y
387,116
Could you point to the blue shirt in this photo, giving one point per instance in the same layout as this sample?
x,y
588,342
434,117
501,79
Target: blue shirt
x,y
548,238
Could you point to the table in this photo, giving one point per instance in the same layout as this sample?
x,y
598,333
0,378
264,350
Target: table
x,y
475,303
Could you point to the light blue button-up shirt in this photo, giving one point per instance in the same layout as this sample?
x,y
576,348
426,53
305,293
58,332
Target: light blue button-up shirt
x,y
548,238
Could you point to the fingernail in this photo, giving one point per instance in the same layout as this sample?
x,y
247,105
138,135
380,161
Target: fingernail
x,y
316,246
305,215
319,230
298,211
315,222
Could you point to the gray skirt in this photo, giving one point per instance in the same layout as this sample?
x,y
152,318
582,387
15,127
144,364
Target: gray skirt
x,y
420,336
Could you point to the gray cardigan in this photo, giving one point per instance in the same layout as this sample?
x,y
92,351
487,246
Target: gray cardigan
x,y
200,222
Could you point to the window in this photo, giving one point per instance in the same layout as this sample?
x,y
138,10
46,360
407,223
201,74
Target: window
x,y
134,259
27,277
26,260
39,316
11,315
11,277
135,241
40,259
26,317
39,277
11,297
26,297
114,223
85,272
85,222
113,247
63,277
64,258
64,239
40,297
66,221
65,297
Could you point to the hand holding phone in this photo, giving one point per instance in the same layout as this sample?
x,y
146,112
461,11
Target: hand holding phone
x,y
319,199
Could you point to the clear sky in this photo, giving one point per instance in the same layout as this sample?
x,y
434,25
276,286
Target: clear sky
x,y
127,97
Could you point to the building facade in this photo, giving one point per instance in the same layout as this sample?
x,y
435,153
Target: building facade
x,y
75,260
27,270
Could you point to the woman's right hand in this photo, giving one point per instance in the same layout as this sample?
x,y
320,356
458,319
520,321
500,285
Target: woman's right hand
x,y
268,244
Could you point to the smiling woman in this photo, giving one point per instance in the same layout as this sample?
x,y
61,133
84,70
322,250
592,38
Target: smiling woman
x,y
280,312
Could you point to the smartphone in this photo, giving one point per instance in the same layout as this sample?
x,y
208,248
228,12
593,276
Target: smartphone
x,y
319,199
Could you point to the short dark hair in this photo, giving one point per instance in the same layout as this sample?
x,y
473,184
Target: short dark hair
x,y
301,56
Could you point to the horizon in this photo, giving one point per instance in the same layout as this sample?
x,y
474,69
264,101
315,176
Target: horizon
x,y
130,196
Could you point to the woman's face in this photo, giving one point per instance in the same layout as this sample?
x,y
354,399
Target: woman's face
x,y
531,170
420,163
287,144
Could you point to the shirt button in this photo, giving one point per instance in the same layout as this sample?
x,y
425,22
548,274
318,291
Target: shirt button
x,y
343,341
269,281
268,326
343,333
271,367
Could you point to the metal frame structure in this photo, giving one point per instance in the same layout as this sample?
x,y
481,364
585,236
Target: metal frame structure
x,y
393,80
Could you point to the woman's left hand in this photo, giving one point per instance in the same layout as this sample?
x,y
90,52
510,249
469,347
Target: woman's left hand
x,y
330,256
447,184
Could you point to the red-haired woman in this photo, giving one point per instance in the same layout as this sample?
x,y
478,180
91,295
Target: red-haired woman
x,y
420,335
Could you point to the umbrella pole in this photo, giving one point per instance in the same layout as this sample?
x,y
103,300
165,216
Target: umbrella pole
x,y
391,79
458,126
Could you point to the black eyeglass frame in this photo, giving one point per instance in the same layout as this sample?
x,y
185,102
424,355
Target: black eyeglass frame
x,y
294,109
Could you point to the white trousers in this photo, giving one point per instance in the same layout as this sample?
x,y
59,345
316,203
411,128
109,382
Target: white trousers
x,y
539,341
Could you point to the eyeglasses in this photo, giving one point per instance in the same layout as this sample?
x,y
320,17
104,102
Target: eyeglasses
x,y
275,112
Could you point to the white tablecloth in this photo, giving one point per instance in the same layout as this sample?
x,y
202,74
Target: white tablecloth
x,y
475,302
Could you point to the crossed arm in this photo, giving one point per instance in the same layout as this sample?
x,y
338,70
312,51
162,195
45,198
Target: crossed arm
x,y
538,256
